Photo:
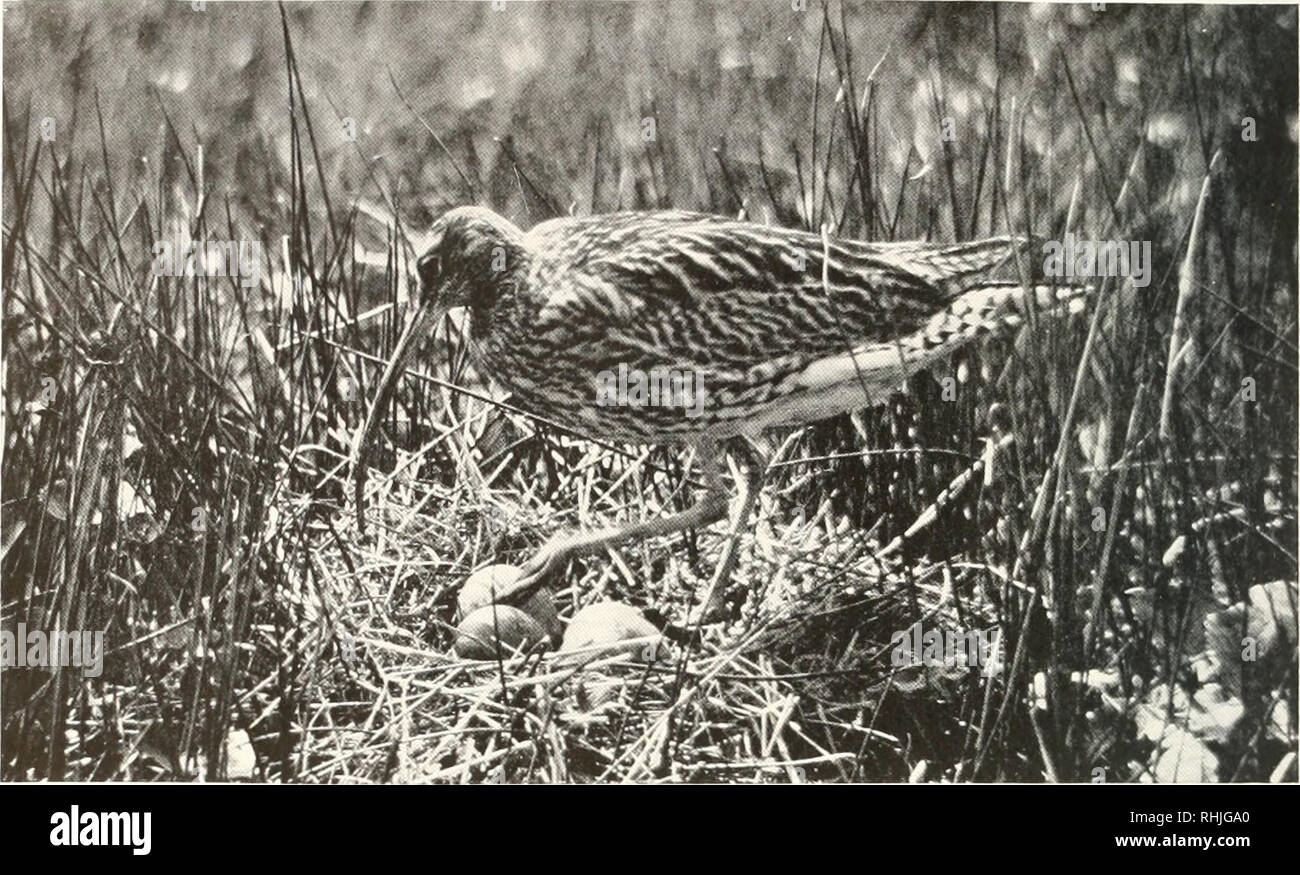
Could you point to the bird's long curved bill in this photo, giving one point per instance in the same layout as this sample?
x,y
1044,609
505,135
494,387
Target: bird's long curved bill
x,y
422,321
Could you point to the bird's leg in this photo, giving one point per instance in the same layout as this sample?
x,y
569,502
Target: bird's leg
x,y
756,465
709,508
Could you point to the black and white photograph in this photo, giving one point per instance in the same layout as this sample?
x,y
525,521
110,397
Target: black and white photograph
x,y
744,392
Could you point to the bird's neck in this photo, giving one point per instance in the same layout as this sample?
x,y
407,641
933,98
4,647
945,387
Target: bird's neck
x,y
497,301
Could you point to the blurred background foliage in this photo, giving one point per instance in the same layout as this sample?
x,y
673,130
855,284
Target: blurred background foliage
x,y
559,91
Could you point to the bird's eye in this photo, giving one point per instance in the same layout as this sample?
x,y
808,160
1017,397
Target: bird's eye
x,y
429,267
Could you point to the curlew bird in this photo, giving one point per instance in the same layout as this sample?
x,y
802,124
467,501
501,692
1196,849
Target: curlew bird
x,y
768,326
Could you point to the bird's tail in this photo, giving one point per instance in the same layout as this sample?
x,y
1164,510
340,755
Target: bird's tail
x,y
868,372
998,306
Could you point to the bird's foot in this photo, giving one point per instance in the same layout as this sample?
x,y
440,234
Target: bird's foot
x,y
714,610
538,570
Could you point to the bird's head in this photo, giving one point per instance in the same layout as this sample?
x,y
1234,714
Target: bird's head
x,y
473,256
472,251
